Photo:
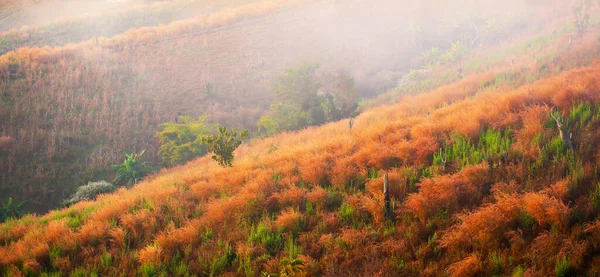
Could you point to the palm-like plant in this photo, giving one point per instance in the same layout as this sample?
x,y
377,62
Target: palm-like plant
x,y
132,169
10,210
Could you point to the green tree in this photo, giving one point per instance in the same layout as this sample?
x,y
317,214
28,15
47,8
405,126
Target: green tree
x,y
182,141
297,104
339,96
267,126
132,169
223,144
305,98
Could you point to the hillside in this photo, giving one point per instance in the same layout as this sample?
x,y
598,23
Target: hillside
x,y
28,24
481,185
481,120
72,110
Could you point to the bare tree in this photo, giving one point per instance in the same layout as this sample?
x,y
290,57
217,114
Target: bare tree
x,y
565,134
388,212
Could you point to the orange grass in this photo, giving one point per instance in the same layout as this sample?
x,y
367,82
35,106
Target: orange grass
x,y
449,223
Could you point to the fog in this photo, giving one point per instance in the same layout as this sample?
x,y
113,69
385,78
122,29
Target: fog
x,y
98,78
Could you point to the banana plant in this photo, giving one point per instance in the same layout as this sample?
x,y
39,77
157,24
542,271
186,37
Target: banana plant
x,y
10,210
132,169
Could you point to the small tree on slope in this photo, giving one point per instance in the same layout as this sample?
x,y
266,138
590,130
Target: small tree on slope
x,y
223,144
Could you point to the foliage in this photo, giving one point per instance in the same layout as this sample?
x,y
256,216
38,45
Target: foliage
x,y
346,212
272,241
223,144
222,260
182,142
491,144
267,126
297,102
563,267
455,52
132,169
290,267
305,98
338,96
89,192
11,210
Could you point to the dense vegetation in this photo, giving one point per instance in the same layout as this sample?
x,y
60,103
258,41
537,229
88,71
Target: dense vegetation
x,y
510,198
481,161
72,111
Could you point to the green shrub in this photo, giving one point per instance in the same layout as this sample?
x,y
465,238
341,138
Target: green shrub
x,y
291,267
148,270
527,220
580,115
346,211
519,271
182,142
89,192
292,249
496,263
267,126
181,269
106,259
562,267
224,143
273,241
222,260
462,152
334,199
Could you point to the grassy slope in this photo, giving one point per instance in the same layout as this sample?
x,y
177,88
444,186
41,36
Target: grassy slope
x,y
317,193
73,110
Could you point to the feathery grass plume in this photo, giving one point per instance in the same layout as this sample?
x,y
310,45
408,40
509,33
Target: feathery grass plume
x,y
470,266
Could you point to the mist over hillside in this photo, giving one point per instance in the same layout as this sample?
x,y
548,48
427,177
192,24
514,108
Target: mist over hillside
x,y
299,138
72,110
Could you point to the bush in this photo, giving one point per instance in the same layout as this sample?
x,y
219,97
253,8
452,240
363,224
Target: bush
x,y
223,144
563,267
267,126
182,142
90,191
272,241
